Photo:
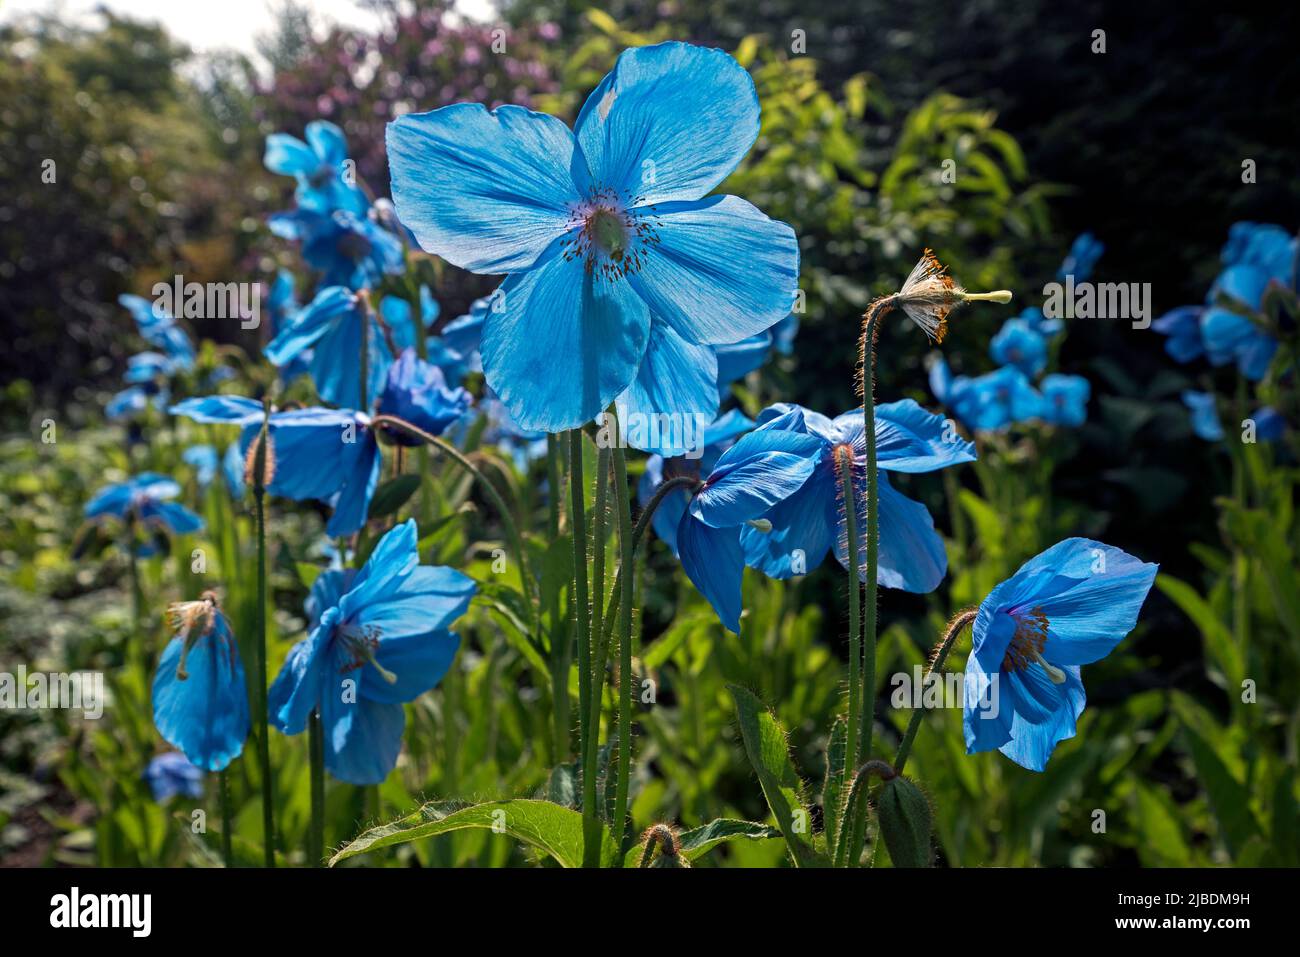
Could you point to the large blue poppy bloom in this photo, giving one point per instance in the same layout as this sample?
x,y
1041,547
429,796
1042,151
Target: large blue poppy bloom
x,y
350,250
171,773
200,701
763,469
1065,399
377,637
320,167
1065,608
604,232
330,326
417,392
809,523
718,437
1018,344
160,330
144,499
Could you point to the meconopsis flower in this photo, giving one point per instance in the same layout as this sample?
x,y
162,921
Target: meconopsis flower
x,y
143,501
160,330
992,401
417,392
330,326
200,701
320,167
1065,608
378,637
349,249
810,522
1065,399
171,773
604,232
761,470
1266,423
1019,344
1082,258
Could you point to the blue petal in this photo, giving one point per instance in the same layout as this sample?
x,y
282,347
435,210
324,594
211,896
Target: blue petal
x,y
429,599
739,359
910,553
418,661
910,439
219,409
669,122
720,271
1032,744
677,383
328,143
288,155
761,469
351,503
205,716
172,516
362,737
393,560
297,690
564,344
713,561
801,532
987,717
488,192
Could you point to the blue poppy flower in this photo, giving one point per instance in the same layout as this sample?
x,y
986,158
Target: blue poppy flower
x,y
219,410
1205,415
603,231
330,326
810,523
283,306
1227,333
232,470
1183,327
148,367
763,469
160,330
1065,399
204,460
1067,607
991,401
456,348
200,701
320,167
719,436
1266,247
133,400
1082,258
144,499
1019,344
417,392
377,637
171,773
349,250
1269,424
1039,323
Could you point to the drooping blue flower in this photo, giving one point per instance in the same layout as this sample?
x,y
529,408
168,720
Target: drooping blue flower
x,y
160,330
718,437
171,773
1183,327
144,499
763,469
1019,344
325,180
1228,334
1082,258
1065,399
377,637
330,326
991,401
350,250
417,392
604,231
1065,608
1263,246
810,523
200,701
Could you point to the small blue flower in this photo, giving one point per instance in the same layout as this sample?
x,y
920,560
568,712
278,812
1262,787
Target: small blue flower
x,y
160,330
763,469
1269,424
417,392
1018,344
1183,327
200,700
988,402
1227,333
330,326
1039,323
718,437
1065,399
605,231
809,523
148,367
144,499
1205,415
320,167
1082,258
349,250
377,637
171,773
133,400
1067,607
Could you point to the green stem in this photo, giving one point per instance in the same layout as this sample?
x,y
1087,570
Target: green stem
x,y
870,324
600,507
316,745
259,639
959,621
855,812
582,618
844,465
560,643
223,799
626,560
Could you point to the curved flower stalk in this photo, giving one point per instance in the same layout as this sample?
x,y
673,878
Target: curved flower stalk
x,y
200,699
605,232
378,637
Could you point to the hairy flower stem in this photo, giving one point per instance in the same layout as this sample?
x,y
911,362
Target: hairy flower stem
x,y
597,637
855,812
559,663
259,644
626,560
223,800
316,745
582,621
844,465
955,626
661,836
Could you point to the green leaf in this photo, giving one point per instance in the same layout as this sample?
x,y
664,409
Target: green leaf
x,y
1219,643
1228,798
551,829
392,495
697,842
769,754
